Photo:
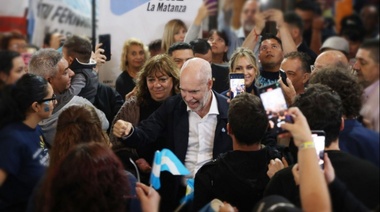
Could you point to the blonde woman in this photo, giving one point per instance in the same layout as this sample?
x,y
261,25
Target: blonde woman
x,y
175,31
244,61
134,55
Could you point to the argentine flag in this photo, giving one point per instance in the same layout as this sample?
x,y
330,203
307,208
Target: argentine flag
x,y
166,161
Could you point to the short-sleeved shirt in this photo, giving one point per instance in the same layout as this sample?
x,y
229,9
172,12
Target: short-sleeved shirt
x,y
24,157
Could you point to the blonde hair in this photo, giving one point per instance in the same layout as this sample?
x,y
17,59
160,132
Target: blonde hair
x,y
128,43
171,28
247,53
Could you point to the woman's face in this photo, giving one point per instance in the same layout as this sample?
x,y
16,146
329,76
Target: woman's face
x,y
180,35
160,85
18,69
135,56
217,43
245,66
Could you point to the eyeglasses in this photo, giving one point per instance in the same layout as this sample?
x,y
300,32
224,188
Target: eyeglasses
x,y
312,67
53,98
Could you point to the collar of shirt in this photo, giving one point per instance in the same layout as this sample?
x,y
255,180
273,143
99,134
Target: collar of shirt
x,y
240,32
371,89
213,108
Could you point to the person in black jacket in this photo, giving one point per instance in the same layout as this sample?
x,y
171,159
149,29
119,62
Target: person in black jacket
x,y
193,125
238,177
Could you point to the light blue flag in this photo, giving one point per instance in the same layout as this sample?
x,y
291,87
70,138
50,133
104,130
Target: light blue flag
x,y
166,161
189,192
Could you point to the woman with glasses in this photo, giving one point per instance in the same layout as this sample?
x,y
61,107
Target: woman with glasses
x,y
23,150
158,80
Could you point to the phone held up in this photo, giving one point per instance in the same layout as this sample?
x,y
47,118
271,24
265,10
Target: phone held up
x,y
319,143
237,85
105,39
275,106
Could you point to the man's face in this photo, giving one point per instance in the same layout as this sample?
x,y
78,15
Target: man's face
x,y
181,56
18,69
62,80
366,68
271,53
207,56
247,15
55,40
307,18
294,71
195,90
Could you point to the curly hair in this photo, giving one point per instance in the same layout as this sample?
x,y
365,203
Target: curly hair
x,y
323,110
159,63
128,43
89,178
76,124
344,83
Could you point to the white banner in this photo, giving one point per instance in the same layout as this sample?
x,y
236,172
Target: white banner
x,y
64,16
143,19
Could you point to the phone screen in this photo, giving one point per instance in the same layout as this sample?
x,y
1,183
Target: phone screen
x,y
275,106
319,142
237,85
106,41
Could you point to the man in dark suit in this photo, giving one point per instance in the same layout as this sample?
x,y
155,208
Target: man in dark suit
x,y
193,124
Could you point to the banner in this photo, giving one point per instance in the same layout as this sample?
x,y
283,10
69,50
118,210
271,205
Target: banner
x,y
13,15
142,19
64,16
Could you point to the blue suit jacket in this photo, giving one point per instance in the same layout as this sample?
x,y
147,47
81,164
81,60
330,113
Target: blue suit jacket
x,y
171,120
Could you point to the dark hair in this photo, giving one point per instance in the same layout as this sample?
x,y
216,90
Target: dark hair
x,y
76,124
353,33
372,45
268,36
6,60
247,118
303,57
89,178
341,81
155,45
323,110
8,36
15,100
200,46
78,47
224,36
308,5
47,39
159,63
179,46
293,18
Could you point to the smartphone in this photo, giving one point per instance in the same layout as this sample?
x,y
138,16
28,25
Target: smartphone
x,y
237,85
319,142
274,103
105,39
269,28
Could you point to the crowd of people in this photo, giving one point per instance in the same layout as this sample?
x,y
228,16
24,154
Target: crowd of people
x,y
71,143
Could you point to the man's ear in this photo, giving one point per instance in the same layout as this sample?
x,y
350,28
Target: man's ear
x,y
305,77
342,124
229,131
209,84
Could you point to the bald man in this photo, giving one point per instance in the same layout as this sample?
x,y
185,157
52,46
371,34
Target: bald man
x,y
193,124
331,58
